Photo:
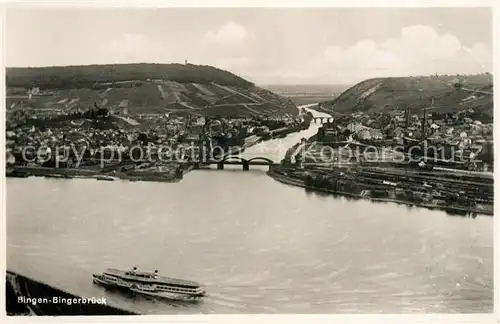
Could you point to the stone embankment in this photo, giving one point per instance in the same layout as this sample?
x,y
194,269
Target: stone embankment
x,y
95,173
25,296
460,194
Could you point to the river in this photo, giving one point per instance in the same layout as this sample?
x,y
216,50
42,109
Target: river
x,y
259,246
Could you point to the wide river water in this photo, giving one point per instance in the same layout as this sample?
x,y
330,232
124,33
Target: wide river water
x,y
257,245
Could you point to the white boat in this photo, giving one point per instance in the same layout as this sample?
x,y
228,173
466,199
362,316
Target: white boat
x,y
150,284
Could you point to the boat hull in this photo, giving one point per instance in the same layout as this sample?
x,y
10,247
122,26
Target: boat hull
x,y
104,283
167,295
99,280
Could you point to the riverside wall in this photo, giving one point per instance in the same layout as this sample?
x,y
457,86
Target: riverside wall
x,y
291,177
25,296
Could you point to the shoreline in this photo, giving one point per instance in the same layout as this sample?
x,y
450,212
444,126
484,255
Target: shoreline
x,y
21,287
133,175
26,172
449,209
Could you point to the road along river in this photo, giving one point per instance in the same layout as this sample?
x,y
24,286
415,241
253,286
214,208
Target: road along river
x,y
259,246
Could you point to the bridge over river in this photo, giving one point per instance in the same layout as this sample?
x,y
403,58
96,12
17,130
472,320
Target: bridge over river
x,y
232,159
257,245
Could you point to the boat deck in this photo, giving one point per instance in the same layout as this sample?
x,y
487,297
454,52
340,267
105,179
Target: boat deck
x,y
158,279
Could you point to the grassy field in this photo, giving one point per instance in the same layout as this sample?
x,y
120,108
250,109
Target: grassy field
x,y
381,94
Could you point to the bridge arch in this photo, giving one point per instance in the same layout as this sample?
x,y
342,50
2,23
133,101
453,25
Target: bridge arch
x,y
237,159
261,158
233,157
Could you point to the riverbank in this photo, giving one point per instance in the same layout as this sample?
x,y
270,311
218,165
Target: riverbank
x,y
81,173
276,133
299,179
454,191
22,294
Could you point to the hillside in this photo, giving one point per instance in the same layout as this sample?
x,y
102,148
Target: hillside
x,y
142,88
384,94
60,77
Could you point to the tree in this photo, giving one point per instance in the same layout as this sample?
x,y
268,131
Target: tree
x,y
102,113
309,180
143,138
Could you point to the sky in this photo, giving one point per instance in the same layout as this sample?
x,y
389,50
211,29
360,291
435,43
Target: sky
x,y
263,45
